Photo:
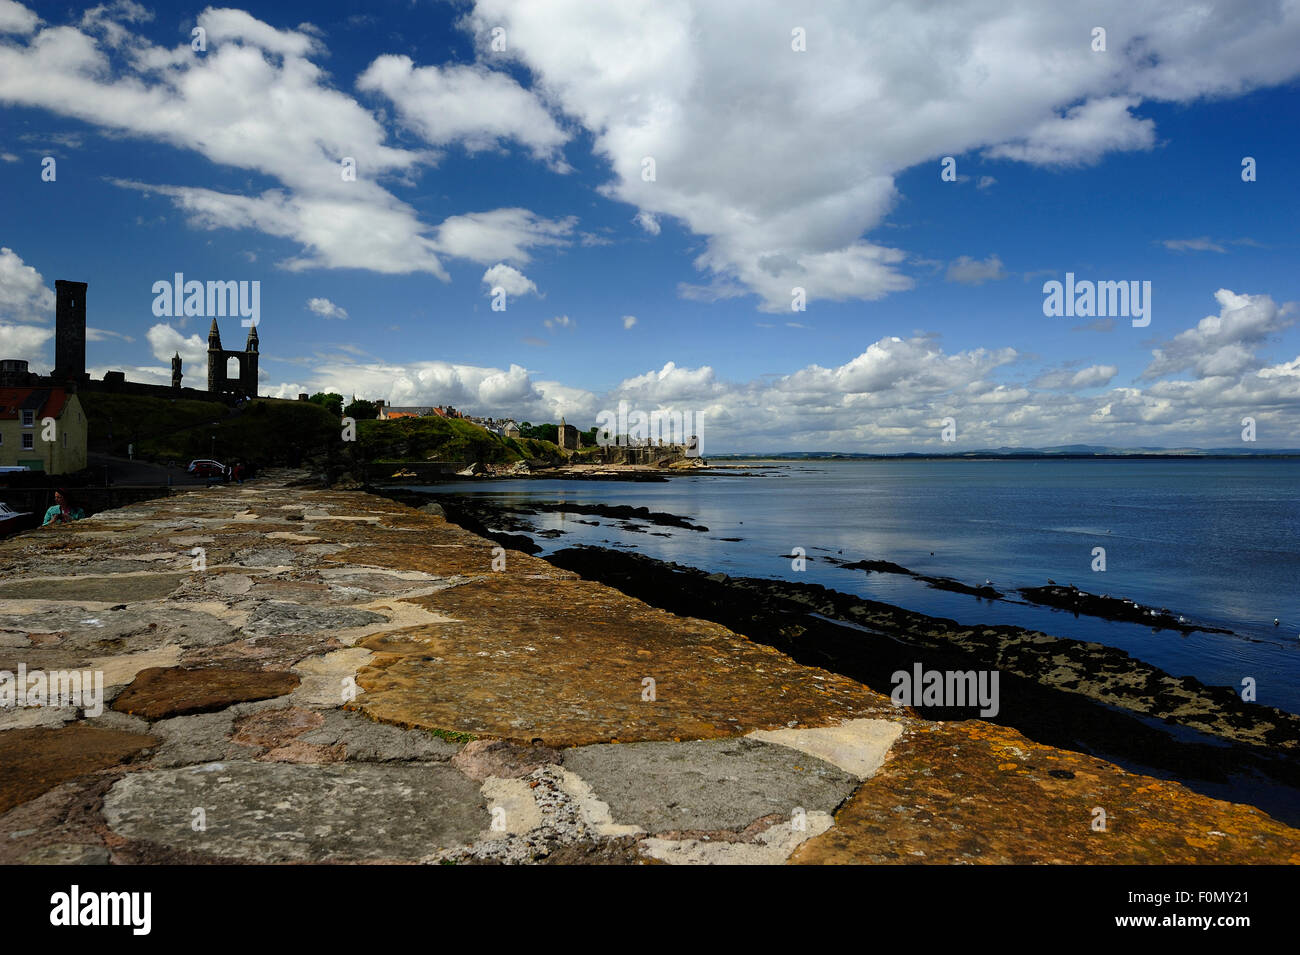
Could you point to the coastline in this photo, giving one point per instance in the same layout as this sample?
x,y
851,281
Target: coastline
x,y
1058,691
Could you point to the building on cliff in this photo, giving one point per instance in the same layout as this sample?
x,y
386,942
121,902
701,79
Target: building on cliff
x,y
567,436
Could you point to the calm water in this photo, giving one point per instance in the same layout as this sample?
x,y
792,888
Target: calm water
x,y
1217,541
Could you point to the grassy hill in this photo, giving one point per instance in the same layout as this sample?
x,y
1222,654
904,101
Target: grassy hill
x,y
270,431
449,440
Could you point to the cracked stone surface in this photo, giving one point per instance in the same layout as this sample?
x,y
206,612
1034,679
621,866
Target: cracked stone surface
x,y
281,812
367,741
284,618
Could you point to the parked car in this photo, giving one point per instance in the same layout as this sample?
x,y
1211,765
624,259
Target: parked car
x,y
11,521
206,468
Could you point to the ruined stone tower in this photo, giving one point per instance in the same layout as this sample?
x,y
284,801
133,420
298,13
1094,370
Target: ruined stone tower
x,y
69,330
218,382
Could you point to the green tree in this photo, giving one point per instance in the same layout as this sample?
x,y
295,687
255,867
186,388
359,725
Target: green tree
x,y
541,432
362,410
330,402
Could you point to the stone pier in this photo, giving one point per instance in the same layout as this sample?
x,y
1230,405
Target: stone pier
x,y
300,675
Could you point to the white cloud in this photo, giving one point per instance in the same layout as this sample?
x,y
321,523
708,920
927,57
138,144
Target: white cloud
x,y
1203,244
1083,135
502,234
629,321
28,343
24,296
560,321
1223,344
15,18
648,222
785,162
1094,376
470,105
514,282
487,391
165,341
970,271
105,334
892,396
255,101
326,309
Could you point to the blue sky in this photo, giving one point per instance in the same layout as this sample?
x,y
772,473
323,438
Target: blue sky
x,y
775,168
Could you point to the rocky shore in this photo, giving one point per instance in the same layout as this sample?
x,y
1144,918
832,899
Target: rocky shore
x,y
304,675
1078,694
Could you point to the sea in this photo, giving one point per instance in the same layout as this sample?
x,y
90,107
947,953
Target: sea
x,y
1215,540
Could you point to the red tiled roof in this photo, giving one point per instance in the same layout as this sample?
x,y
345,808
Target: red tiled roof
x,y
45,402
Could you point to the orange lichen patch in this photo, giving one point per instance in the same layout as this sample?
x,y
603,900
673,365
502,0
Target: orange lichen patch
x,y
945,795
36,760
566,660
446,550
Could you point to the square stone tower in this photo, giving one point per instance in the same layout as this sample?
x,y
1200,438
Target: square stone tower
x,y
69,330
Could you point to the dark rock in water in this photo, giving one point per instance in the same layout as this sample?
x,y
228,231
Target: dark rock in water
x,y
938,583
879,567
1110,608
620,511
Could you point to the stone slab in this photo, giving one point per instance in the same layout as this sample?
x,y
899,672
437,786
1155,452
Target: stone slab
x,y
855,746
285,812
160,692
33,761
706,784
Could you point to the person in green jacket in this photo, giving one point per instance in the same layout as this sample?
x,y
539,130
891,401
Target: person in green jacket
x,y
63,511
